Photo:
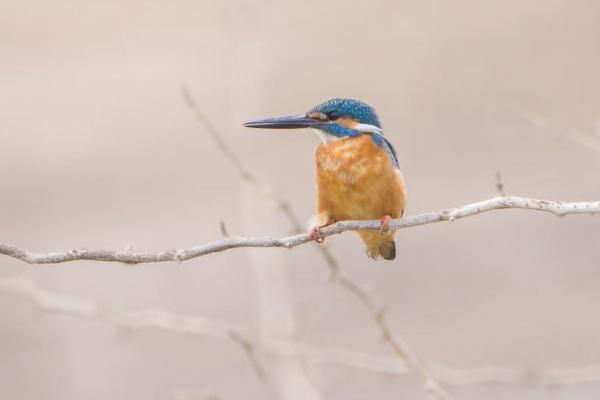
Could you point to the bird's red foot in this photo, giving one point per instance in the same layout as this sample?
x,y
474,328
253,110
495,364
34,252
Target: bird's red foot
x,y
315,234
385,222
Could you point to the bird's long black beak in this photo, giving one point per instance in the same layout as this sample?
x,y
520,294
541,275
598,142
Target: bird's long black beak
x,y
291,122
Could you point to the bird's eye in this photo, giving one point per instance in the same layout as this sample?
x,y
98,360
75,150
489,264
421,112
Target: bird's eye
x,y
319,116
333,115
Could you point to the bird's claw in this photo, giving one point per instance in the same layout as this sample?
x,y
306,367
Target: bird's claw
x,y
385,223
315,234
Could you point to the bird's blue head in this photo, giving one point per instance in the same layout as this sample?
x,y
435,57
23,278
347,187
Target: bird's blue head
x,y
336,118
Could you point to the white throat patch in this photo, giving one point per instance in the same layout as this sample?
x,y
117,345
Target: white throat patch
x,y
328,137
325,137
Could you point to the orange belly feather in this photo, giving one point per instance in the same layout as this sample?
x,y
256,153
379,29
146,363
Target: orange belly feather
x,y
357,180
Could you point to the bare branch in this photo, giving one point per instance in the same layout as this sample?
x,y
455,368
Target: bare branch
x,y
200,326
214,133
186,394
158,319
589,139
496,203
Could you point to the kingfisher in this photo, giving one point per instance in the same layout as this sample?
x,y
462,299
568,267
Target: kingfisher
x,y
357,171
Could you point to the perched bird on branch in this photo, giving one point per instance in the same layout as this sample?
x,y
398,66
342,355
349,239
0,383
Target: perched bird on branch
x,y
358,176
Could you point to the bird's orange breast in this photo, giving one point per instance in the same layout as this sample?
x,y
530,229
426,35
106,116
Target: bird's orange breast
x,y
357,180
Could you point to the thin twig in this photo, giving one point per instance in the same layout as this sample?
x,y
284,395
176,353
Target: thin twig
x,y
158,319
52,302
186,394
469,210
223,227
500,184
589,139
214,133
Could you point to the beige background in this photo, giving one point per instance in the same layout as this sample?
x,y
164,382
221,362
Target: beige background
x,y
98,150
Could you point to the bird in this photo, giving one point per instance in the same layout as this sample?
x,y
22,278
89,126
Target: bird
x,y
358,176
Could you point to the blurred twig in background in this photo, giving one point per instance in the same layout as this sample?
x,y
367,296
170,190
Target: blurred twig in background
x,y
158,319
194,325
184,394
233,158
500,184
589,139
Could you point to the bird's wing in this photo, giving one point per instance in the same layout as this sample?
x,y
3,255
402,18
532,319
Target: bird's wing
x,y
387,146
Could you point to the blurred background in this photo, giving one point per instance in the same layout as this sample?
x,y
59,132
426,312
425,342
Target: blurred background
x,y
99,149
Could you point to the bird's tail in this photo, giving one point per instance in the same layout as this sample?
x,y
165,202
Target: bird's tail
x,y
378,244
